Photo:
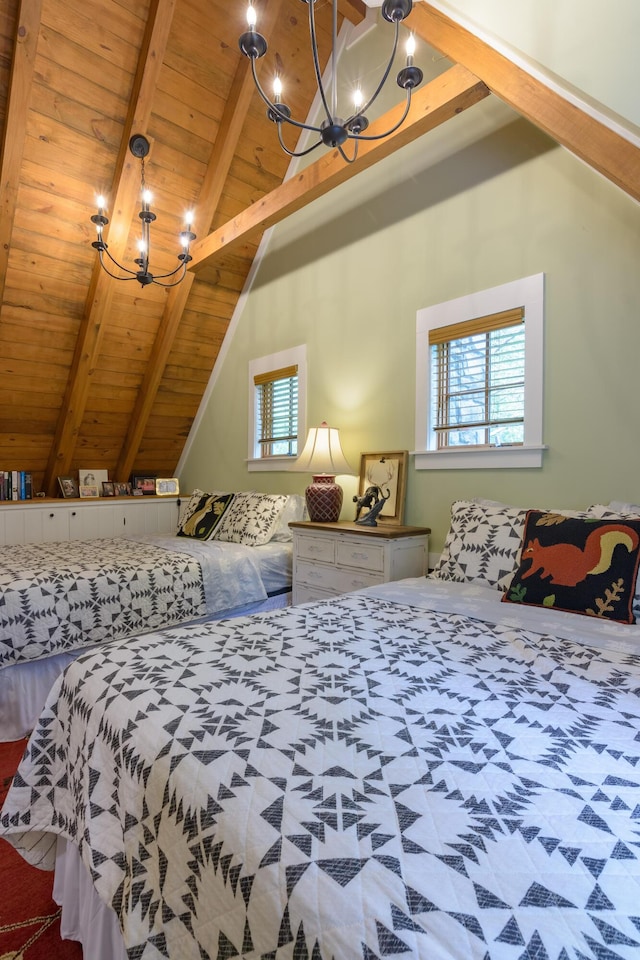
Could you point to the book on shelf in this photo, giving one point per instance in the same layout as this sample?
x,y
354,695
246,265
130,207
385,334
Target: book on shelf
x,y
16,485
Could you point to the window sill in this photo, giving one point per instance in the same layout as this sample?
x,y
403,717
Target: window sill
x,y
276,464
495,458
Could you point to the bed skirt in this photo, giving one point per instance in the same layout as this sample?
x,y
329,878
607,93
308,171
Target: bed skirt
x,y
85,917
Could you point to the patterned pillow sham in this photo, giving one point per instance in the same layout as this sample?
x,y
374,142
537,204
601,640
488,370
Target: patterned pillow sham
x,y
483,543
203,513
252,518
578,565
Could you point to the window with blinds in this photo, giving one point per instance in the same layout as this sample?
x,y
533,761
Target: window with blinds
x,y
277,412
477,381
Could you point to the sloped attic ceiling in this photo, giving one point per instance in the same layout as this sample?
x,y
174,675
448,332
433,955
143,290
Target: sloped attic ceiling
x,y
107,374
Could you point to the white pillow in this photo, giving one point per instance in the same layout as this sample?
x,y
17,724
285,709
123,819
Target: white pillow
x,y
294,509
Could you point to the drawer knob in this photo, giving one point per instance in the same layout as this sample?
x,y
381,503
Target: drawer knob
x,y
358,555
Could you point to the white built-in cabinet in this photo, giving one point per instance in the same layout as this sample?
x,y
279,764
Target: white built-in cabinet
x,y
45,521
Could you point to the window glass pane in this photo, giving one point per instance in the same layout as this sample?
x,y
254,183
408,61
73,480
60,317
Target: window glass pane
x,y
478,388
278,417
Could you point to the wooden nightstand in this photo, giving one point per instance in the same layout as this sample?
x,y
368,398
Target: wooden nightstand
x,y
334,558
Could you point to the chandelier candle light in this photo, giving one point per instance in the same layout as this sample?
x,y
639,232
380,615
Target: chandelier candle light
x,y
323,458
139,147
334,131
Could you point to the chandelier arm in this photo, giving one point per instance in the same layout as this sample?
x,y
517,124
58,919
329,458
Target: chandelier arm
x,y
355,152
294,153
156,280
274,107
115,275
316,64
118,265
385,75
387,133
162,276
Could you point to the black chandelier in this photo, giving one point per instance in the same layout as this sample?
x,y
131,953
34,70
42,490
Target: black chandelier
x,y
139,147
334,131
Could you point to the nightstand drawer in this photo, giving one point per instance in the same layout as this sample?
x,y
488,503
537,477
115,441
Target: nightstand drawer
x,y
333,579
366,556
316,548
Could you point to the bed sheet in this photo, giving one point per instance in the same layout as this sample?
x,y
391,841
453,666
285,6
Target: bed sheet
x,y
361,777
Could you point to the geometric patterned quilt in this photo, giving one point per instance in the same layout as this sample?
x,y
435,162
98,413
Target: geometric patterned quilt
x,y
62,596
355,778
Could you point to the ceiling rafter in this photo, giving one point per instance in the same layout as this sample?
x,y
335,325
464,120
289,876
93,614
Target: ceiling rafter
x,y
125,193
22,66
602,148
438,101
224,148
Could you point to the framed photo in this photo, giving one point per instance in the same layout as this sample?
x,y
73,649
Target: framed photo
x,y
68,486
387,472
89,490
90,478
167,487
146,485
121,489
108,489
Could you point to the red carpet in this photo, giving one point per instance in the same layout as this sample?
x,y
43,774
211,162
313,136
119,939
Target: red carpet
x,y
29,918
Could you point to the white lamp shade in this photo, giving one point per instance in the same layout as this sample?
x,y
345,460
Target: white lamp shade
x,y
322,453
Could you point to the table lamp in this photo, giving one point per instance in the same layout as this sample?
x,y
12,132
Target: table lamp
x,y
323,458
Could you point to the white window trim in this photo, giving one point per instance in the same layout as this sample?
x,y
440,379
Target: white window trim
x,y
527,292
275,361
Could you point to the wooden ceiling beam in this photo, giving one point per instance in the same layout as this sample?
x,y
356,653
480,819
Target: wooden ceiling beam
x,y
353,10
438,101
22,65
125,193
224,148
611,154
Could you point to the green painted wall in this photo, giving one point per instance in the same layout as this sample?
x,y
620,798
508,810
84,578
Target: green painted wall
x,y
487,201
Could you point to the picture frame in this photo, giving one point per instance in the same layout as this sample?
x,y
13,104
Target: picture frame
x,y
108,489
90,477
121,489
145,484
167,487
88,490
68,487
388,472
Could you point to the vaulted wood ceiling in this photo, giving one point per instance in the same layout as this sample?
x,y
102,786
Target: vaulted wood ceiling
x,y
97,373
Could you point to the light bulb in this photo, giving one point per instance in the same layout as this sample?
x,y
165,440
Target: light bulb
x,y
142,247
251,16
357,99
101,202
277,88
147,196
189,219
411,45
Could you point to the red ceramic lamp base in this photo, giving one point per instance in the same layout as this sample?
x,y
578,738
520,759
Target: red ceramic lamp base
x,y
324,499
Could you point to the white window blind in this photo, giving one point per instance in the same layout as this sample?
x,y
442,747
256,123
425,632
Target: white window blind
x,y
277,412
477,381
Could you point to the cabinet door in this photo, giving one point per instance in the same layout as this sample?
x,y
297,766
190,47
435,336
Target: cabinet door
x,y
45,524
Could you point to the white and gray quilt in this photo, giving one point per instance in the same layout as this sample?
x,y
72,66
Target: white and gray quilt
x,y
357,778
58,597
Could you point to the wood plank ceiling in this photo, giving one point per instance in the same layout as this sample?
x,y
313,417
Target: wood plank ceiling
x,y
96,373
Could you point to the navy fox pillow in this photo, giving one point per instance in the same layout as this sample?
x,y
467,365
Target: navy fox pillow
x,y
580,565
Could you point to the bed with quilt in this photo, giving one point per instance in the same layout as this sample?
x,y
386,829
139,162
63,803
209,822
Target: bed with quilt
x,y
445,767
231,554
